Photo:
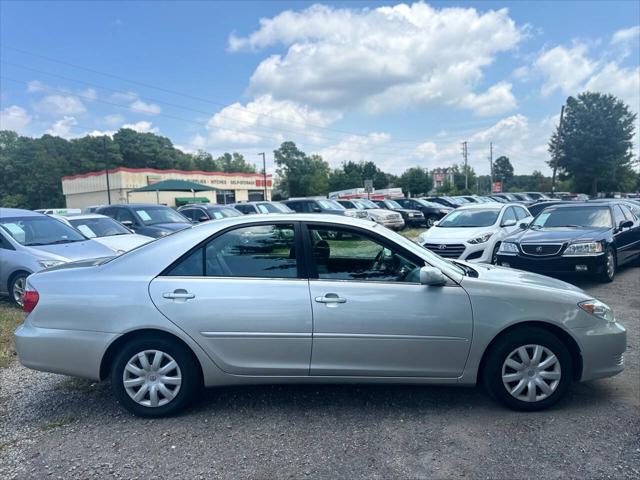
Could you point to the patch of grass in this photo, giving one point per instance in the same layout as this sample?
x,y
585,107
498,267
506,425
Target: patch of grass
x,y
411,233
60,422
10,318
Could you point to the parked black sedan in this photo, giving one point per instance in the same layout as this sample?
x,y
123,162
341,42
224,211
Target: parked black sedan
x,y
432,211
147,219
412,218
591,238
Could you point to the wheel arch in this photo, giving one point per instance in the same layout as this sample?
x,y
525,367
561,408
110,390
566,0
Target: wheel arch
x,y
563,336
112,350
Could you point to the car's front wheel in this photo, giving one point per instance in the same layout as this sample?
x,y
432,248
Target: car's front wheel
x,y
528,369
431,220
155,377
609,268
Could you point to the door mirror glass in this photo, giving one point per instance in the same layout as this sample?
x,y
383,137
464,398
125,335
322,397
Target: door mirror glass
x,y
509,223
316,209
203,218
524,225
127,223
626,224
432,276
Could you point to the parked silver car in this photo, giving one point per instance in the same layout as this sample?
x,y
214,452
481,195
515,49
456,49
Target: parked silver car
x,y
30,242
310,298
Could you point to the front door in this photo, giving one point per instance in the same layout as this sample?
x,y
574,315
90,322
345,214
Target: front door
x,y
242,298
372,317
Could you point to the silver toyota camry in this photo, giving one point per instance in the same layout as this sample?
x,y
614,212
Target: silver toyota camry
x,y
310,298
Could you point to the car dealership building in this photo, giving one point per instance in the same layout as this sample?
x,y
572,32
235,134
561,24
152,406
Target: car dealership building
x,y
88,189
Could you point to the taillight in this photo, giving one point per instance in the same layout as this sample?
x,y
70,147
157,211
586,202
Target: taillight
x,y
30,300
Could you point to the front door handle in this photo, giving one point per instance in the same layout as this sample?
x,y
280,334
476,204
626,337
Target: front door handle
x,y
179,294
331,298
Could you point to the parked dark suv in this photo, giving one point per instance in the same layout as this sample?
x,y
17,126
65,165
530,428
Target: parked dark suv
x,y
411,217
323,205
147,219
432,211
250,208
203,212
592,238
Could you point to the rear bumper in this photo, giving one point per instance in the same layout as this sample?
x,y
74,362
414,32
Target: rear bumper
x,y
69,352
392,224
556,264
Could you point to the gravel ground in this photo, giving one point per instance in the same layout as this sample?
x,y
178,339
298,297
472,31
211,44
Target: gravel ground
x,y
57,427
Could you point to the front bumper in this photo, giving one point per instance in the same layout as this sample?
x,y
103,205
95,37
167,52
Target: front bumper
x,y
555,264
394,224
602,348
473,253
69,352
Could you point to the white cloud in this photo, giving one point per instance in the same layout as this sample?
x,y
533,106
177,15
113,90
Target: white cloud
x,y
565,69
356,148
99,133
36,86
144,107
115,119
621,82
62,128
626,35
14,118
60,105
266,119
89,94
382,58
142,126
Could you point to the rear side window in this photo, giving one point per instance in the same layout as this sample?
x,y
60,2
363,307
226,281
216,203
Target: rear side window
x,y
263,251
618,216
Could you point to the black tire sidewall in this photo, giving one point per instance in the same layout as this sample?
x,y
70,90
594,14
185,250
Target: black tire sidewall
x,y
492,372
430,221
12,283
188,368
604,276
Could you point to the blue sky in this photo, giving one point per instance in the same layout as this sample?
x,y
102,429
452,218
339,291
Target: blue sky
x,y
399,84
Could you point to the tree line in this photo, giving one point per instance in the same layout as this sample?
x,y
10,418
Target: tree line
x,y
593,151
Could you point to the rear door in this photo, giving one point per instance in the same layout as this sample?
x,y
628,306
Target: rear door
x,y
624,237
244,297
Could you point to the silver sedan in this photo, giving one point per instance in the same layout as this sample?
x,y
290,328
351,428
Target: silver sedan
x,y
315,298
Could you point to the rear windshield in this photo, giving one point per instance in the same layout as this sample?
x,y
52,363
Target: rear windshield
x,y
98,227
574,217
39,230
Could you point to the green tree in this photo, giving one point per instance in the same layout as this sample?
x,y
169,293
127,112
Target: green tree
x,y
502,170
595,147
415,181
299,174
234,162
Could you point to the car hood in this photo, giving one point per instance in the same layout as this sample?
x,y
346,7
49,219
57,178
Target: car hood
x,y
73,251
512,276
124,242
454,234
558,235
169,227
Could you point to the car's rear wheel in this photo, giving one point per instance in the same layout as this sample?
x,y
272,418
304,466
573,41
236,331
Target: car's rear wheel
x,y
528,369
17,286
609,268
155,377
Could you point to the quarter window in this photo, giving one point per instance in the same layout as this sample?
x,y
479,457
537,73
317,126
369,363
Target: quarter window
x,y
265,251
618,216
341,254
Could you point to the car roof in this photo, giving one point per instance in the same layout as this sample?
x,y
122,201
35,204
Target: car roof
x,y
19,212
84,216
134,205
487,206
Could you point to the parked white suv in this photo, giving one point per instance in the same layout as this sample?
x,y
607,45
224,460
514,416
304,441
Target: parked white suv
x,y
474,232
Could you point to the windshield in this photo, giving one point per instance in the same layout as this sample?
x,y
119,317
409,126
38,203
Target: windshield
x,y
574,217
367,203
428,203
219,213
33,231
469,218
392,204
154,215
98,227
330,205
273,208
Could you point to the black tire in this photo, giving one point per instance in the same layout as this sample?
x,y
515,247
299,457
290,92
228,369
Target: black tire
x,y
431,219
15,280
503,348
189,370
494,254
608,274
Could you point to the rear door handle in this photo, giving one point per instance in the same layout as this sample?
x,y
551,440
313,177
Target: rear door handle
x,y
331,298
179,295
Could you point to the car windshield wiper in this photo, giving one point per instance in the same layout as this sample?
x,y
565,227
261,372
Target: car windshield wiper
x,y
57,242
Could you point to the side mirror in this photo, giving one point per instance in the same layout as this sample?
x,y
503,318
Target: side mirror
x,y
524,225
432,276
316,209
626,224
203,218
509,223
127,223
435,224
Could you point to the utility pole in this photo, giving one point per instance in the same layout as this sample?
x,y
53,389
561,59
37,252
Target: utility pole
x,y
106,167
264,173
555,155
491,167
466,169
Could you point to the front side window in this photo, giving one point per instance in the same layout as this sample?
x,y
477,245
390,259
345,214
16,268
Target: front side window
x,y
264,251
342,254
521,213
509,215
124,215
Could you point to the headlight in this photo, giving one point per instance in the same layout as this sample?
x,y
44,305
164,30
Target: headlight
x,y
508,248
599,309
163,233
481,239
350,213
583,249
50,263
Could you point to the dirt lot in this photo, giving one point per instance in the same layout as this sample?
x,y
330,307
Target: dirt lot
x,y
57,427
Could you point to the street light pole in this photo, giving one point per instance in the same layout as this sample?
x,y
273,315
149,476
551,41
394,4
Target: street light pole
x,y
264,173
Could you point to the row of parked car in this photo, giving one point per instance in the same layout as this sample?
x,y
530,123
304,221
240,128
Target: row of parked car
x,y
593,237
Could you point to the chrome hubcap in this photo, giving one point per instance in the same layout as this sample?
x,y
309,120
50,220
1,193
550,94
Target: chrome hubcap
x,y
152,378
18,290
611,265
531,373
